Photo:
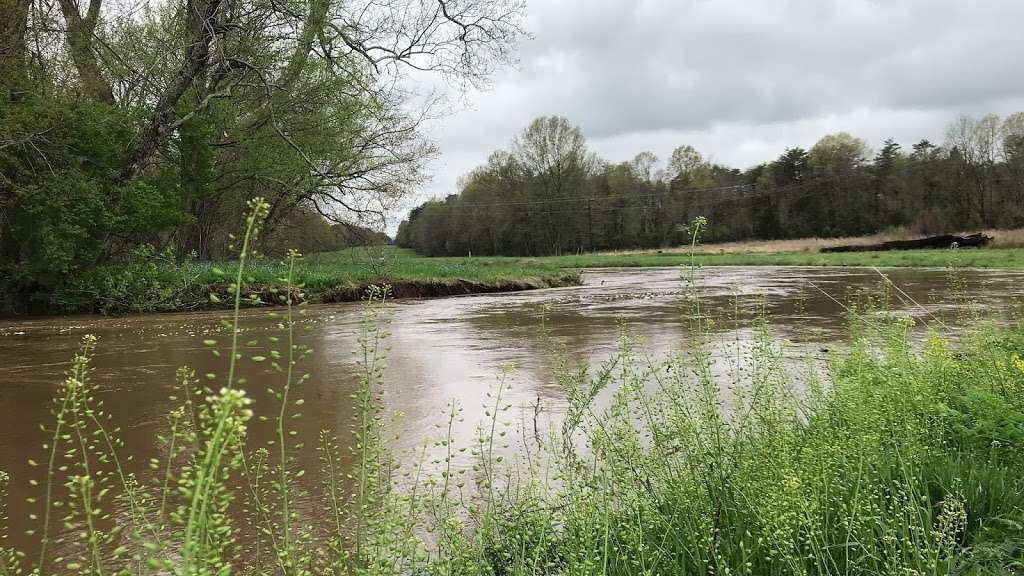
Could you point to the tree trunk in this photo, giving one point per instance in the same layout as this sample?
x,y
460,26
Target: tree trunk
x,y
13,57
202,29
930,243
311,29
80,44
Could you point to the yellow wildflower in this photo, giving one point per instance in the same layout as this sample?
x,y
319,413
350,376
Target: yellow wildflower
x,y
1018,362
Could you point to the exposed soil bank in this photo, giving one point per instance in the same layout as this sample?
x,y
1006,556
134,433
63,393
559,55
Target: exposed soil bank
x,y
438,288
220,296
274,294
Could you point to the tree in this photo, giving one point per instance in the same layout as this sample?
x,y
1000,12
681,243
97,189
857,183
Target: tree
x,y
977,144
976,139
643,165
924,150
13,49
687,168
1011,134
837,153
216,101
80,37
1012,153
554,150
790,168
886,163
554,154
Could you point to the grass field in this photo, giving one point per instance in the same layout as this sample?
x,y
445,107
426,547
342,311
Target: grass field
x,y
1008,238
345,275
360,266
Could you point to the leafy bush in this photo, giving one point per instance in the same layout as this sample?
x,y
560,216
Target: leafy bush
x,y
64,207
145,281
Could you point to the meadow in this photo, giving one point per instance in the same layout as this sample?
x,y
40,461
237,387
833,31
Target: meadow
x,y
360,267
154,284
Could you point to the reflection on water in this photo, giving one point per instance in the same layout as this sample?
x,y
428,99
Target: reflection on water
x,y
440,350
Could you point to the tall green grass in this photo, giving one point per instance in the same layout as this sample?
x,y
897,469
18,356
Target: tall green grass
x,y
900,457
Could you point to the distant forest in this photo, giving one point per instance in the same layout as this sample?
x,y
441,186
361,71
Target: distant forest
x,y
548,194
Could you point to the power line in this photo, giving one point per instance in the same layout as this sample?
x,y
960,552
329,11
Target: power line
x,y
566,199
743,192
706,203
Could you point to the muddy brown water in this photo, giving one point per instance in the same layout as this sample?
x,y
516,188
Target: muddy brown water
x,y
441,350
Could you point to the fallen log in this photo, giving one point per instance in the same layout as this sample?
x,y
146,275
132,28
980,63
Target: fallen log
x,y
977,240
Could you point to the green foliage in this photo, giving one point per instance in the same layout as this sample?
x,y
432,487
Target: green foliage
x,y
144,281
64,209
120,132
308,232
871,478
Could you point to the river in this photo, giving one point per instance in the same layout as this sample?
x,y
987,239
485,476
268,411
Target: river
x,y
441,349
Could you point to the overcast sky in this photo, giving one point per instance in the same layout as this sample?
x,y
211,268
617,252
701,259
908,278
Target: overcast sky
x,y
741,80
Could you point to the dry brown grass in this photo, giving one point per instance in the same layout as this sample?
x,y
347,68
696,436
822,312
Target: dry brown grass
x,y
1007,238
1002,238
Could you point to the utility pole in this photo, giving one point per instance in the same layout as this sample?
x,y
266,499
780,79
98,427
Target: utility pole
x,y
590,224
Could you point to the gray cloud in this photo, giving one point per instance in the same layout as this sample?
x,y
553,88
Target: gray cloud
x,y
743,79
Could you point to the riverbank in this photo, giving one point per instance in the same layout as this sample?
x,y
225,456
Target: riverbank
x,y
343,276
346,275
1001,238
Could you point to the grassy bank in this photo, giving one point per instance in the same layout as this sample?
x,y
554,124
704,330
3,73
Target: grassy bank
x,y
343,276
900,462
337,271
322,273
147,286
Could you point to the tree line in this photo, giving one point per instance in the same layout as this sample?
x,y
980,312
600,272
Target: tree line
x,y
151,124
549,194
